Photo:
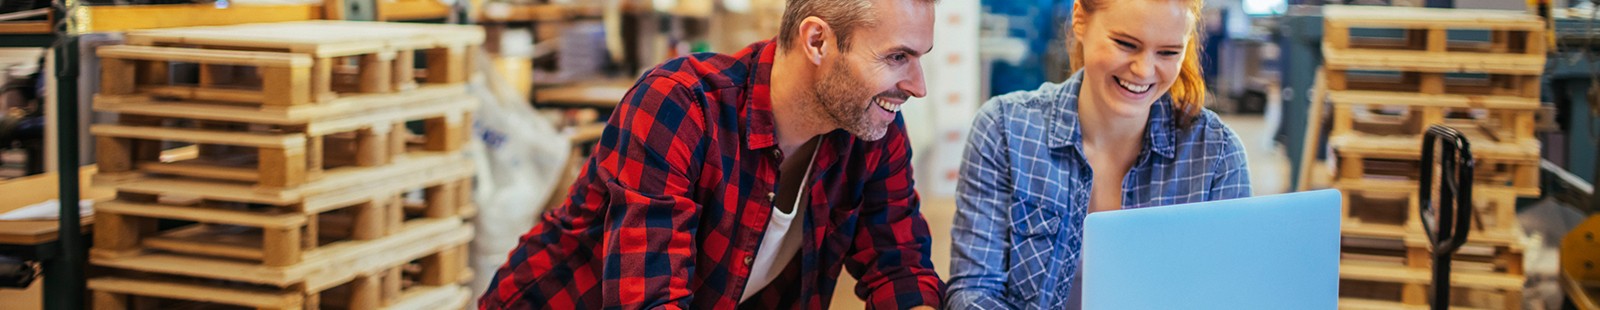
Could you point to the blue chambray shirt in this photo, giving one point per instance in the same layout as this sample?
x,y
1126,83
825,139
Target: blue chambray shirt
x,y
1024,192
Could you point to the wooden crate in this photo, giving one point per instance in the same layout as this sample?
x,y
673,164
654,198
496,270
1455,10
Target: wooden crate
x,y
1398,157
287,64
1389,209
432,280
1515,45
272,155
281,227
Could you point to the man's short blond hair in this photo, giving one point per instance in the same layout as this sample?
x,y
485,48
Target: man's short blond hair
x,y
844,16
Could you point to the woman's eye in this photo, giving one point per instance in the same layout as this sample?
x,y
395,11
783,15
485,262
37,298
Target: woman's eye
x,y
1168,53
1125,44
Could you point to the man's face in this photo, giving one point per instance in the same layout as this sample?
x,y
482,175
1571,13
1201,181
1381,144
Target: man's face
x,y
862,89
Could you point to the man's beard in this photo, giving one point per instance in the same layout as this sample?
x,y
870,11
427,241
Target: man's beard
x,y
845,99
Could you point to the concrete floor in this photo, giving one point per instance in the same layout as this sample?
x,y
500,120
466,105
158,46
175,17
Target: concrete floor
x,y
1269,174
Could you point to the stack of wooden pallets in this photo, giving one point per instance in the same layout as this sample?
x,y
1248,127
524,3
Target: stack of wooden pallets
x,y
308,165
1392,72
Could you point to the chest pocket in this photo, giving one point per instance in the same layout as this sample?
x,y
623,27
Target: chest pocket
x,y
1035,236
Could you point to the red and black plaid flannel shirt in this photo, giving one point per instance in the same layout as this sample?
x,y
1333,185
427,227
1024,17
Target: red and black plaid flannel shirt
x,y
671,207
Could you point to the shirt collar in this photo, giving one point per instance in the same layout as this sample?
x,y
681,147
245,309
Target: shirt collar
x,y
1065,129
758,109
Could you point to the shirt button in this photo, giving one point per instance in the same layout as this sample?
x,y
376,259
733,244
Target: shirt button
x,y
771,196
749,260
777,152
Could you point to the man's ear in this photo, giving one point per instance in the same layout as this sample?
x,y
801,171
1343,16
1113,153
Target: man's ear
x,y
1080,23
816,39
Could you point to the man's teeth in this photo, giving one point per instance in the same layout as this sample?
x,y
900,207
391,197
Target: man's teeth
x,y
886,105
1133,88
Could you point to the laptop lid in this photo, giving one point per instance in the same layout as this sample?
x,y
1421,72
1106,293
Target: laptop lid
x,y
1267,252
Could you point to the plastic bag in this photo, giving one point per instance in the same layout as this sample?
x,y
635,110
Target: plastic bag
x,y
520,157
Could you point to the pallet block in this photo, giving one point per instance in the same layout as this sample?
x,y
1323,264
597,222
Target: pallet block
x,y
1499,164
279,156
1516,42
433,281
1385,285
323,215
363,57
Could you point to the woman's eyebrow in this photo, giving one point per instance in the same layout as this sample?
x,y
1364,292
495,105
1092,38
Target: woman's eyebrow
x,y
1124,36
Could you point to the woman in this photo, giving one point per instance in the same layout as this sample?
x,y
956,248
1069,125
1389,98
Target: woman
x,y
1127,130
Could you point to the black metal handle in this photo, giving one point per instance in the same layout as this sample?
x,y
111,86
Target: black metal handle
x,y
1447,231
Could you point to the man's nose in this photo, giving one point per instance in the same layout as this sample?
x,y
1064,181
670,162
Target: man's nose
x,y
915,86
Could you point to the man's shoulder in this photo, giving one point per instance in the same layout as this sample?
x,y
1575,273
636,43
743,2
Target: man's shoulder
x,y
708,71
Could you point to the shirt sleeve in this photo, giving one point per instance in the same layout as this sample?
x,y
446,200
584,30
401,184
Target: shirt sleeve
x,y
893,244
1233,169
980,233
641,176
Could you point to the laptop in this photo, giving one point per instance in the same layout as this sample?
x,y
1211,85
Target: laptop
x,y
1268,252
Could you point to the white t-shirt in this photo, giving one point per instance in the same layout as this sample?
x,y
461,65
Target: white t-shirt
x,y
785,235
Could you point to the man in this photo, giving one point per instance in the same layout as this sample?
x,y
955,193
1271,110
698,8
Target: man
x,y
749,180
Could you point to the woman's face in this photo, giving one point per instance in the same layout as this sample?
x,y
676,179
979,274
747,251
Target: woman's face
x,y
1132,50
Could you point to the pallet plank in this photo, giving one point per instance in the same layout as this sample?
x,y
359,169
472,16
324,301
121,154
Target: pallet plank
x,y
249,298
199,136
204,56
205,240
200,214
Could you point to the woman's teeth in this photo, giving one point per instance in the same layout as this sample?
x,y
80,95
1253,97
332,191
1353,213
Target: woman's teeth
x,y
1137,89
891,107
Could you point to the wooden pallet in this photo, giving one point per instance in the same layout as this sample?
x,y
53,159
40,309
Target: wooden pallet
x,y
341,107
1516,42
1392,86
1499,164
426,280
287,64
272,235
333,265
1414,251
1389,285
1389,209
1401,113
238,220
1365,284
277,155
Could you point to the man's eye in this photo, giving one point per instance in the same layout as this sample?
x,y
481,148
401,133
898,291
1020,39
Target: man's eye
x,y
898,58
